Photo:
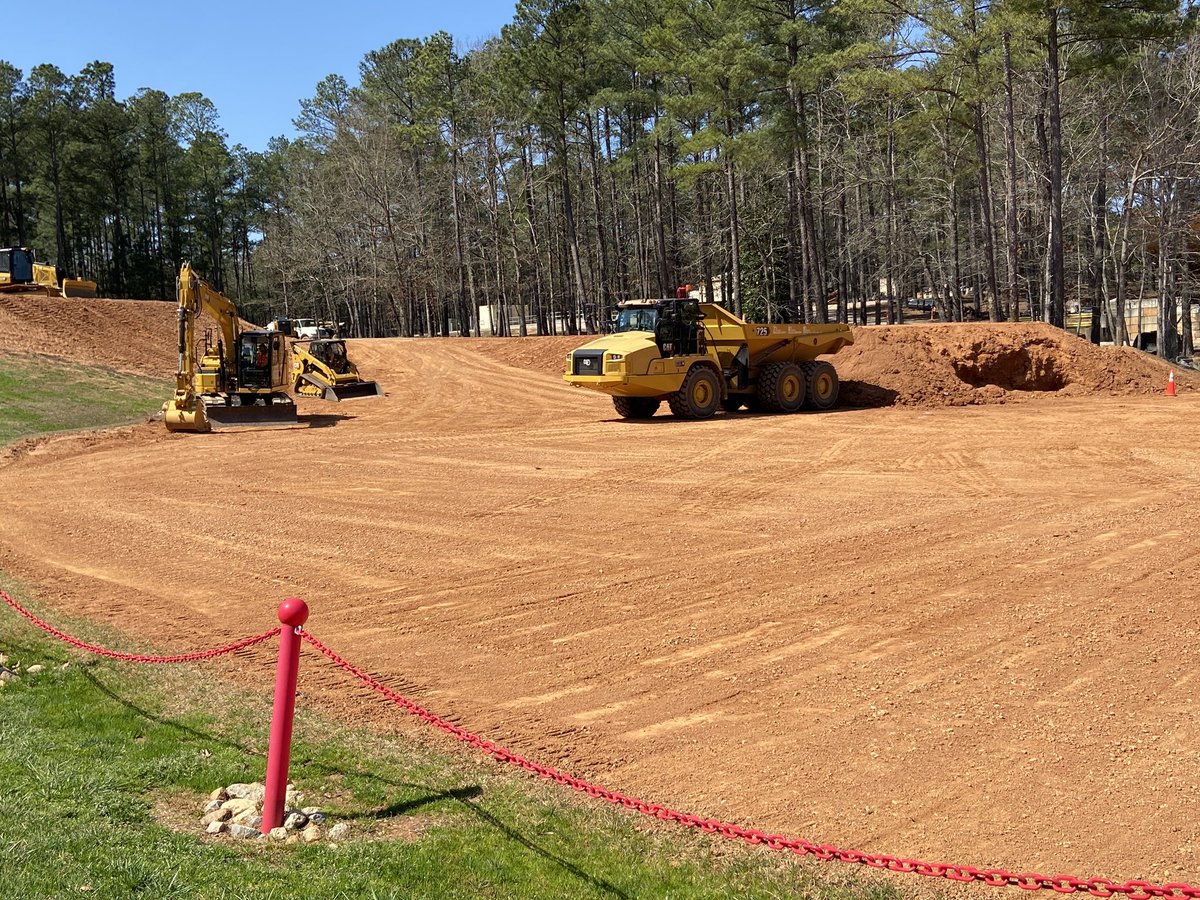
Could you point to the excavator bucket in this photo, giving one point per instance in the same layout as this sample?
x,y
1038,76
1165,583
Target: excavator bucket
x,y
78,287
182,414
271,415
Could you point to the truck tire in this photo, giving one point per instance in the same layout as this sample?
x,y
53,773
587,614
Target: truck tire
x,y
822,385
699,396
781,387
636,407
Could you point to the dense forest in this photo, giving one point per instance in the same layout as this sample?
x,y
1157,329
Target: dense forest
x,y
799,160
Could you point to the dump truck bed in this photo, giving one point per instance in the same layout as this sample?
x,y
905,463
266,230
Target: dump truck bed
x,y
780,342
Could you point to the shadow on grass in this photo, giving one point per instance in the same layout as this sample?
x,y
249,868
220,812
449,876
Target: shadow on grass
x,y
463,796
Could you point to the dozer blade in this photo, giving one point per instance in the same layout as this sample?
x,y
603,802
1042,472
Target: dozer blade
x,y
78,287
359,390
274,415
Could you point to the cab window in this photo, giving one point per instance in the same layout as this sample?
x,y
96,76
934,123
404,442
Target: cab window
x,y
637,318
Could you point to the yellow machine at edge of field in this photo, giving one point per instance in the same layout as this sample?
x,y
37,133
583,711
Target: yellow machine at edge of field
x,y
241,381
700,357
19,272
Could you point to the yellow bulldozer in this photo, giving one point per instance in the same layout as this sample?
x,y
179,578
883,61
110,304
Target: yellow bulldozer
x,y
19,272
321,369
241,380
700,357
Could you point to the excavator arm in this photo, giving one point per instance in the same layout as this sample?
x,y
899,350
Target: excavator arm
x,y
195,297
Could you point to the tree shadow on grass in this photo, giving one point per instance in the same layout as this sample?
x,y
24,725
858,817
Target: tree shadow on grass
x,y
465,796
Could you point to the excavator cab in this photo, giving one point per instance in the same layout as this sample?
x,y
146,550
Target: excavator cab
x,y
262,361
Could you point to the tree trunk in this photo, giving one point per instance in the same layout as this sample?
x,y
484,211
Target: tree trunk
x,y
1057,264
1010,155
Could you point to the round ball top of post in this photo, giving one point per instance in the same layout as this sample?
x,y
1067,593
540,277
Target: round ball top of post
x,y
293,612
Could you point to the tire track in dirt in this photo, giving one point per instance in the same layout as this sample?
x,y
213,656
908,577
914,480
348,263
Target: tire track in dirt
x,y
867,627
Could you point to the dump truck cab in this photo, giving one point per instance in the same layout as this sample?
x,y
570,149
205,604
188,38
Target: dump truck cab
x,y
700,356
636,315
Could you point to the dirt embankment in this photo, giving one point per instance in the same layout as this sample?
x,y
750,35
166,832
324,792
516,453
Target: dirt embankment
x,y
138,336
127,335
938,364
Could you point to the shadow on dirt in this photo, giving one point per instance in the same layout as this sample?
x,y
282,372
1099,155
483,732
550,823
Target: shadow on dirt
x,y
321,420
853,395
865,395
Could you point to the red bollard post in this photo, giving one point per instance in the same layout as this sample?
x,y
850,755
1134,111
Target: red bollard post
x,y
293,613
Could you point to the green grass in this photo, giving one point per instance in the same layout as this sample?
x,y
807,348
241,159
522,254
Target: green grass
x,y
104,767
40,395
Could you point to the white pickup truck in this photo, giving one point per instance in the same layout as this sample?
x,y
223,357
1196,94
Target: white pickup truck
x,y
310,329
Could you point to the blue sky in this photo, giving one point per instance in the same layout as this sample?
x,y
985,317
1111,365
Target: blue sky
x,y
254,60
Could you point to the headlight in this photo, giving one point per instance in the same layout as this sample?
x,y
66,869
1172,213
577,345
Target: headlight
x,y
616,357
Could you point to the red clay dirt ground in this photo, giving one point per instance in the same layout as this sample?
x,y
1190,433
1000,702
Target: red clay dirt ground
x,y
959,627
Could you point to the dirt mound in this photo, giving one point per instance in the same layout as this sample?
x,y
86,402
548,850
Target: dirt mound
x,y
542,354
968,363
936,364
127,335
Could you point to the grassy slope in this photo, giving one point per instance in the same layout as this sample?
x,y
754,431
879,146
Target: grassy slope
x,y
103,768
38,395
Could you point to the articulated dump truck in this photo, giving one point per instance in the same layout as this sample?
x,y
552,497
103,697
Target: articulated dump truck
x,y
700,357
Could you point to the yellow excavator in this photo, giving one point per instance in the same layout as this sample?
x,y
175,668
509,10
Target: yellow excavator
x,y
19,272
242,380
321,369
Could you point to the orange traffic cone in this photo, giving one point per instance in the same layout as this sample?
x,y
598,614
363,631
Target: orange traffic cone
x,y
1171,384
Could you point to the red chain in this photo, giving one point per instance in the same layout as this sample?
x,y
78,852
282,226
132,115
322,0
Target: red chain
x,y
1030,881
138,657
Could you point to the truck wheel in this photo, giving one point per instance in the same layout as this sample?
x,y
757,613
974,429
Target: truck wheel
x,y
781,387
699,396
636,407
822,385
